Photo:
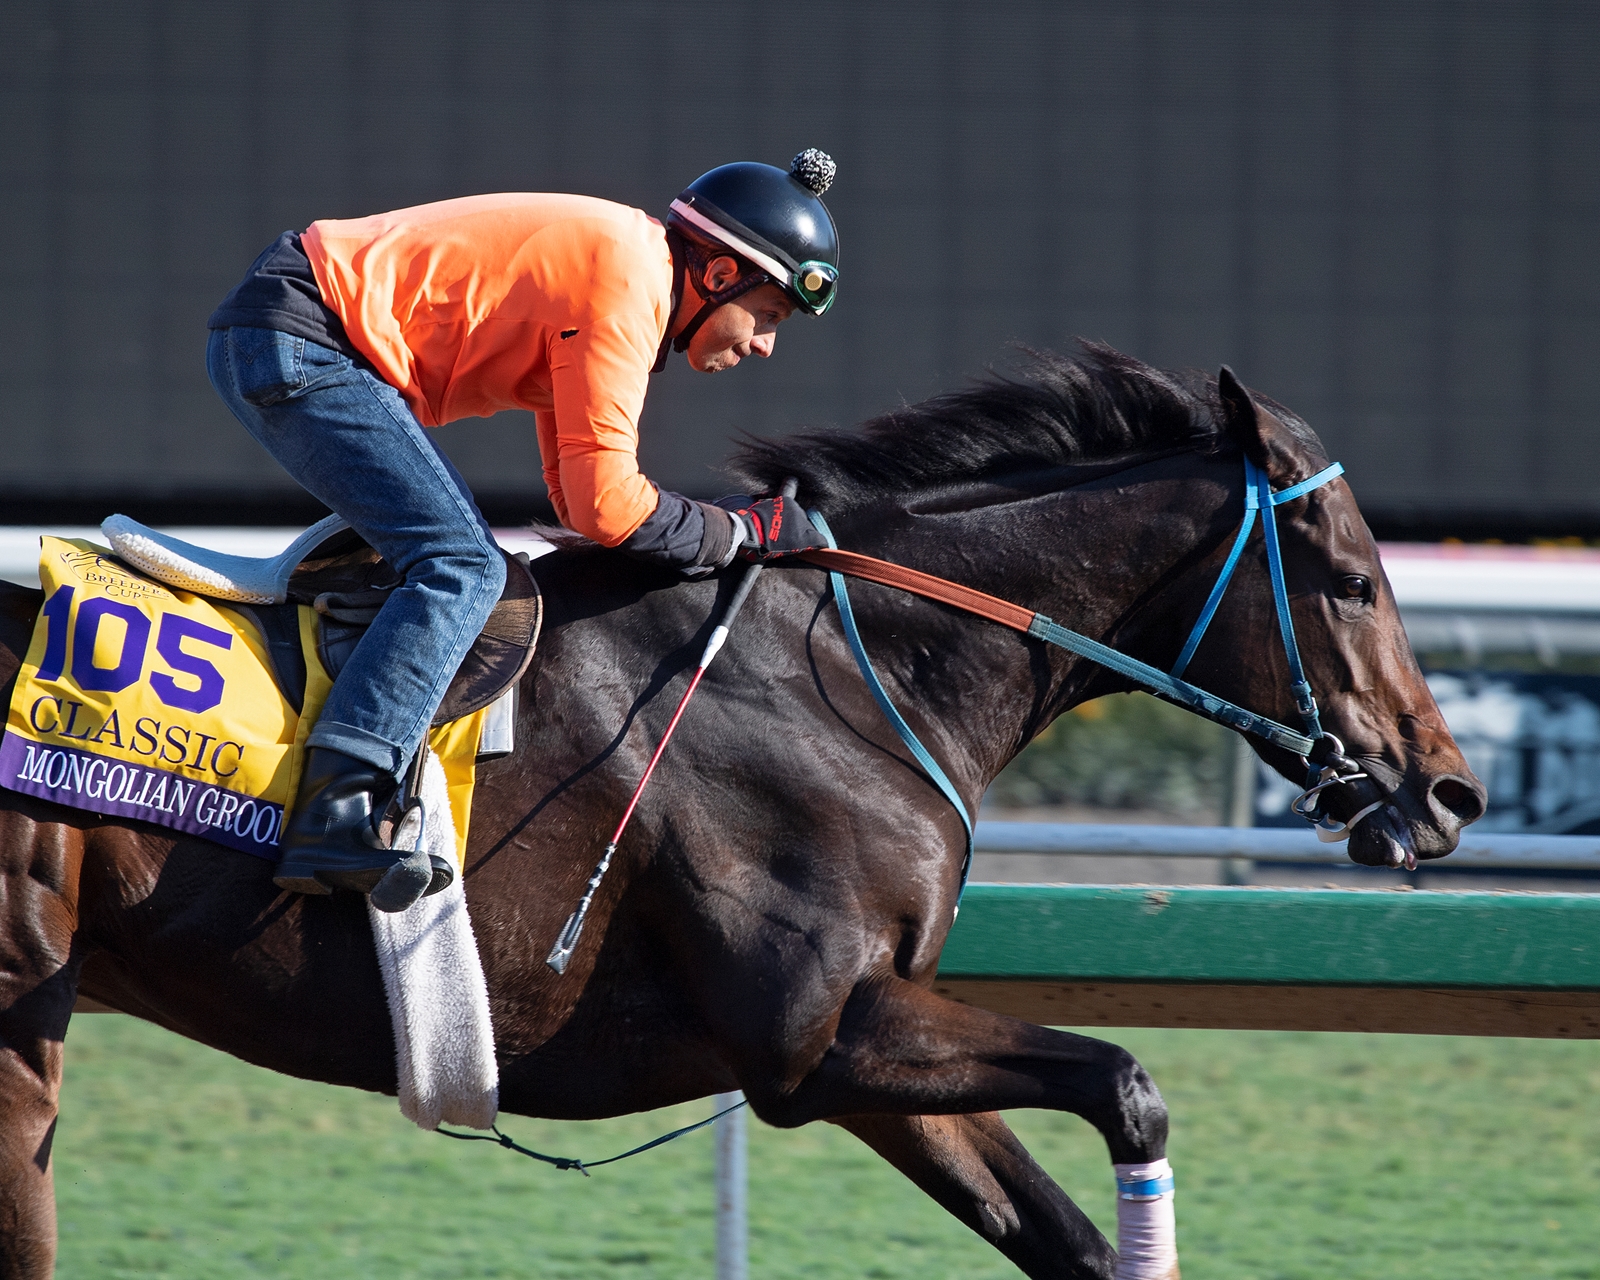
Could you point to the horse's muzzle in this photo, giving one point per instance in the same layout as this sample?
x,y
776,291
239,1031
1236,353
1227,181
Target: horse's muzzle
x,y
1412,827
1383,839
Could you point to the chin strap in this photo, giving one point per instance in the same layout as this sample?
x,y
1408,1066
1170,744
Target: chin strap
x,y
681,342
683,254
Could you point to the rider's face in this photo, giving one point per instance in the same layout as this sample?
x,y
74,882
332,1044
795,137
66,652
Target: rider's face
x,y
744,327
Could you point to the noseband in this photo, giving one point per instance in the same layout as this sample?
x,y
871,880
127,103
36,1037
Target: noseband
x,y
1327,766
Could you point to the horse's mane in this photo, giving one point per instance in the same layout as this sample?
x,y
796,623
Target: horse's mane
x,y
1052,411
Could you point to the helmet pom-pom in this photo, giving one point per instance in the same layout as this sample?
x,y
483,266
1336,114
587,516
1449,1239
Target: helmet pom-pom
x,y
813,170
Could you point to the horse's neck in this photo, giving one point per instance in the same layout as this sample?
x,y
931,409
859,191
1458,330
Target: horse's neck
x,y
1111,557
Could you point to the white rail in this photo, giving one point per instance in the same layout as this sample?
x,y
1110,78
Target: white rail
x,y
1267,844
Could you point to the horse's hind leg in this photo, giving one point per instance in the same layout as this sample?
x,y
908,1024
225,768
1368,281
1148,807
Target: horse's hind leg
x,y
976,1169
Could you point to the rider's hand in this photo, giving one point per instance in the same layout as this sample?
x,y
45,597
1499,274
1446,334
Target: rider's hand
x,y
772,526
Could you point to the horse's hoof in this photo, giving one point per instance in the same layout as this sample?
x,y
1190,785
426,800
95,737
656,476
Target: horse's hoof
x,y
444,874
403,883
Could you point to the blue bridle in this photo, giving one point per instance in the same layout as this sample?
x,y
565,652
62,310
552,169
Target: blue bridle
x,y
1323,752
1259,496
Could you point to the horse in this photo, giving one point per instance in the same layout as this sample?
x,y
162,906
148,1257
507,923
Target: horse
x,y
774,917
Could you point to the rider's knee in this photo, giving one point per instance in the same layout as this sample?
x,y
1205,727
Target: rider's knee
x,y
471,569
494,572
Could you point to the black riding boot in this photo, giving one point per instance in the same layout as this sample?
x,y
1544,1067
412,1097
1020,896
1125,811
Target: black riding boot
x,y
331,840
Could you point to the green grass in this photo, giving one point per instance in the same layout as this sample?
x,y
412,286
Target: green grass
x,y
1298,1155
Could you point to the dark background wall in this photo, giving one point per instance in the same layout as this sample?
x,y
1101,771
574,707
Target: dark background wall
x,y
1383,214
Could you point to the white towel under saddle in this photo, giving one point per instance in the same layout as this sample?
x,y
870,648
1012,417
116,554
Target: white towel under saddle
x,y
438,1000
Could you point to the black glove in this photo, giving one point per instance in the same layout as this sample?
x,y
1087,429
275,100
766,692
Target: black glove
x,y
772,526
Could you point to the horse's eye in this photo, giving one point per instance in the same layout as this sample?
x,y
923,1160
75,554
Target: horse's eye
x,y
1355,587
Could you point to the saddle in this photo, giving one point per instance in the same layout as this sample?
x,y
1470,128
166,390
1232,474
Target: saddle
x,y
331,568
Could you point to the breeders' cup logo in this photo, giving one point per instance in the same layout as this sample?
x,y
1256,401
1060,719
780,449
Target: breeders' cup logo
x,y
111,577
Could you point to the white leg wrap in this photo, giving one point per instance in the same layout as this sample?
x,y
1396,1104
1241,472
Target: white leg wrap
x,y
1147,1234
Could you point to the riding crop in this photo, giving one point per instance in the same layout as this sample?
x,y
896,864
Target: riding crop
x,y
561,953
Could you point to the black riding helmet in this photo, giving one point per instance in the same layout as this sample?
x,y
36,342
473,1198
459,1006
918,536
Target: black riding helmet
x,y
774,221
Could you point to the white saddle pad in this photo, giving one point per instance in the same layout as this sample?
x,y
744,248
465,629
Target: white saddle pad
x,y
214,573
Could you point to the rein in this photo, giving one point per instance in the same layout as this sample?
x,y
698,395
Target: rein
x,y
1326,762
571,1162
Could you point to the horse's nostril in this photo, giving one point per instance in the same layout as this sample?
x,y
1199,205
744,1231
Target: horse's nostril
x,y
1460,798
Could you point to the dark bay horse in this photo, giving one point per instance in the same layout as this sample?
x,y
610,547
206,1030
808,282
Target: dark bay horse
x,y
776,912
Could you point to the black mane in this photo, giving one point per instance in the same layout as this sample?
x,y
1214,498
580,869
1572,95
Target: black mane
x,y
1054,411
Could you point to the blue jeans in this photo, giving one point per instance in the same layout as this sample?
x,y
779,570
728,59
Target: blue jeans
x,y
349,439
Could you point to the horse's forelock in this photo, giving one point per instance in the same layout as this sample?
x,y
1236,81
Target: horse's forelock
x,y
1051,411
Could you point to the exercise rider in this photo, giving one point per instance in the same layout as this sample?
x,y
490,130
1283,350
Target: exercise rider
x,y
345,340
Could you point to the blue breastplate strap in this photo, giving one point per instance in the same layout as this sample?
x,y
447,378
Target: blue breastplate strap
x,y
1170,686
852,636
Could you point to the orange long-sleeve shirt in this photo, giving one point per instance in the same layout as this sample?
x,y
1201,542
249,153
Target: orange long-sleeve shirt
x,y
553,303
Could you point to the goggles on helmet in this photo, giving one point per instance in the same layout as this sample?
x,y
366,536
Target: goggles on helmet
x,y
815,284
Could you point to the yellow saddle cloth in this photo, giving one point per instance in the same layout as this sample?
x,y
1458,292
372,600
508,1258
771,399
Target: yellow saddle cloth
x,y
139,700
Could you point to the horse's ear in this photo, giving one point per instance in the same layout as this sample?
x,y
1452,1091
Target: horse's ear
x,y
1264,439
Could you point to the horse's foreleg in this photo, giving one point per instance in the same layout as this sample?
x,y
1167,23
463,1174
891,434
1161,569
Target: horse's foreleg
x,y
900,1050
38,982
30,1083
976,1169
